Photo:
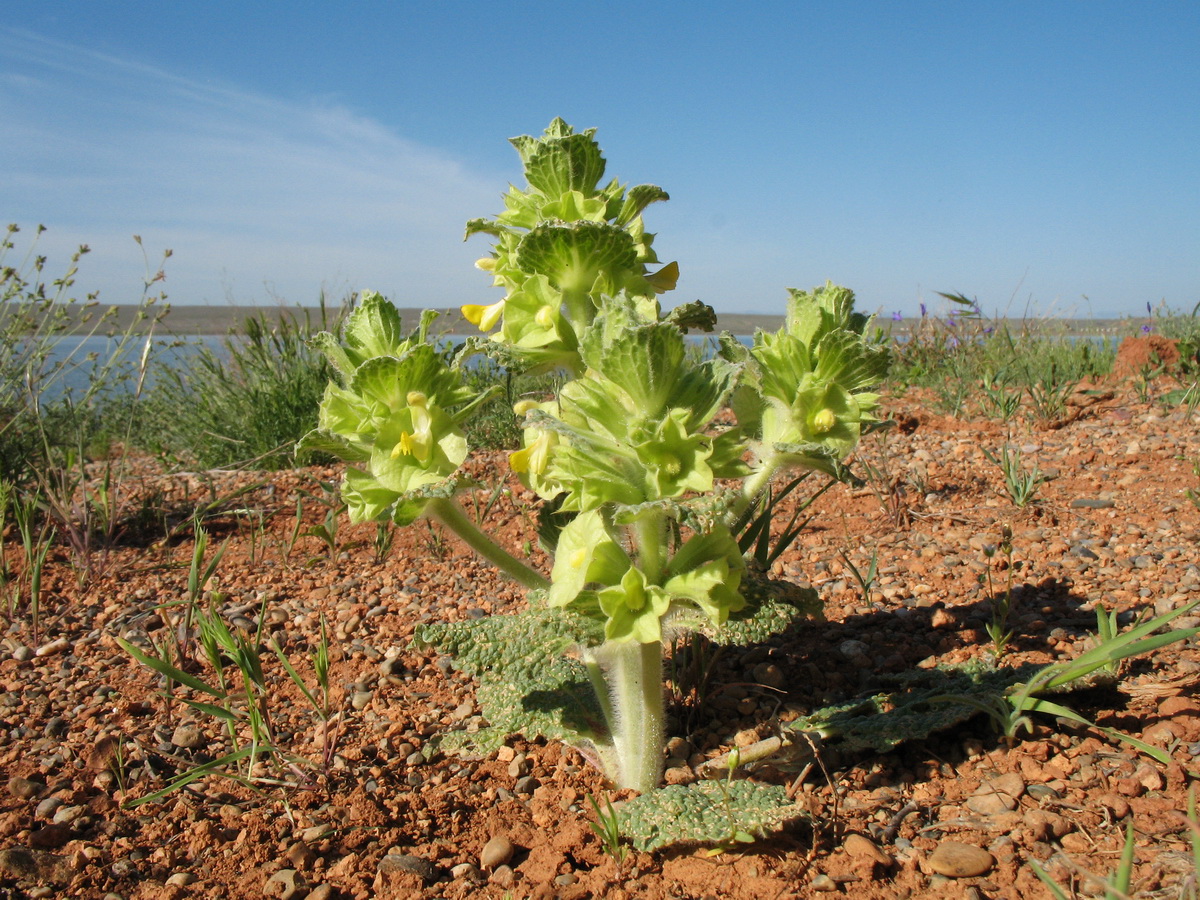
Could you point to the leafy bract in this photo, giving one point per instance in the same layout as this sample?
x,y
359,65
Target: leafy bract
x,y
396,416
372,329
579,258
586,242
808,382
561,160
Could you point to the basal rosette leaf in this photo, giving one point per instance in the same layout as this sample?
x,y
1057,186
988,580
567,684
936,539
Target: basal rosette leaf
x,y
705,812
527,683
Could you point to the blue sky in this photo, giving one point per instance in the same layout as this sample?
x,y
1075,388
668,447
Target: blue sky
x,y
1043,157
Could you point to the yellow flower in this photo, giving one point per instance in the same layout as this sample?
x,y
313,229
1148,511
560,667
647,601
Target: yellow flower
x,y
483,317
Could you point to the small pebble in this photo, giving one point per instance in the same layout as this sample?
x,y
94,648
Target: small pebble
x,y
25,788
1092,503
864,848
187,737
957,860
283,885
404,862
496,852
316,833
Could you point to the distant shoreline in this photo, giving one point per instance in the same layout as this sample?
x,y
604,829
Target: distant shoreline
x,y
195,321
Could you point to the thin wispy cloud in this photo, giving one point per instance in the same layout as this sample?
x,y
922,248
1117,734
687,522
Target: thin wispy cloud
x,y
257,195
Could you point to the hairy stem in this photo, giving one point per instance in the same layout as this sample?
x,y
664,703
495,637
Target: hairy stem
x,y
636,711
755,484
452,516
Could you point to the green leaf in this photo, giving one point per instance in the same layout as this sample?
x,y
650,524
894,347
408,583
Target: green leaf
x,y
586,553
696,314
527,684
166,669
637,199
561,160
216,767
574,255
706,812
771,608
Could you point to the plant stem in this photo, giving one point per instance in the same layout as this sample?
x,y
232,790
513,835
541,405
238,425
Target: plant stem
x,y
636,711
453,517
755,484
650,535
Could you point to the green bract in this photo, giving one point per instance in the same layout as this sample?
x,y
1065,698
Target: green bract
x,y
397,413
807,397
583,241
632,456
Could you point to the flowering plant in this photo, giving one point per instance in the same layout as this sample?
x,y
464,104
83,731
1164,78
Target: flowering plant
x,y
632,452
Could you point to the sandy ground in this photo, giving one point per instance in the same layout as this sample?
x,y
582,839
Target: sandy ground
x,y
366,813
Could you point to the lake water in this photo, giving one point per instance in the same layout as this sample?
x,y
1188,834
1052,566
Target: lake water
x,y
83,356
79,360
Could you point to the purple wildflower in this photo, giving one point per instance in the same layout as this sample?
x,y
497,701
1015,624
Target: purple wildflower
x,y
897,316
922,310
1146,329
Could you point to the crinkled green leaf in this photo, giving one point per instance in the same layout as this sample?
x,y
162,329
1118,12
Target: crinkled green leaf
x,y
923,703
706,812
372,329
561,160
637,199
323,441
676,460
389,380
366,499
771,608
573,206
696,314
527,683
574,255
634,608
